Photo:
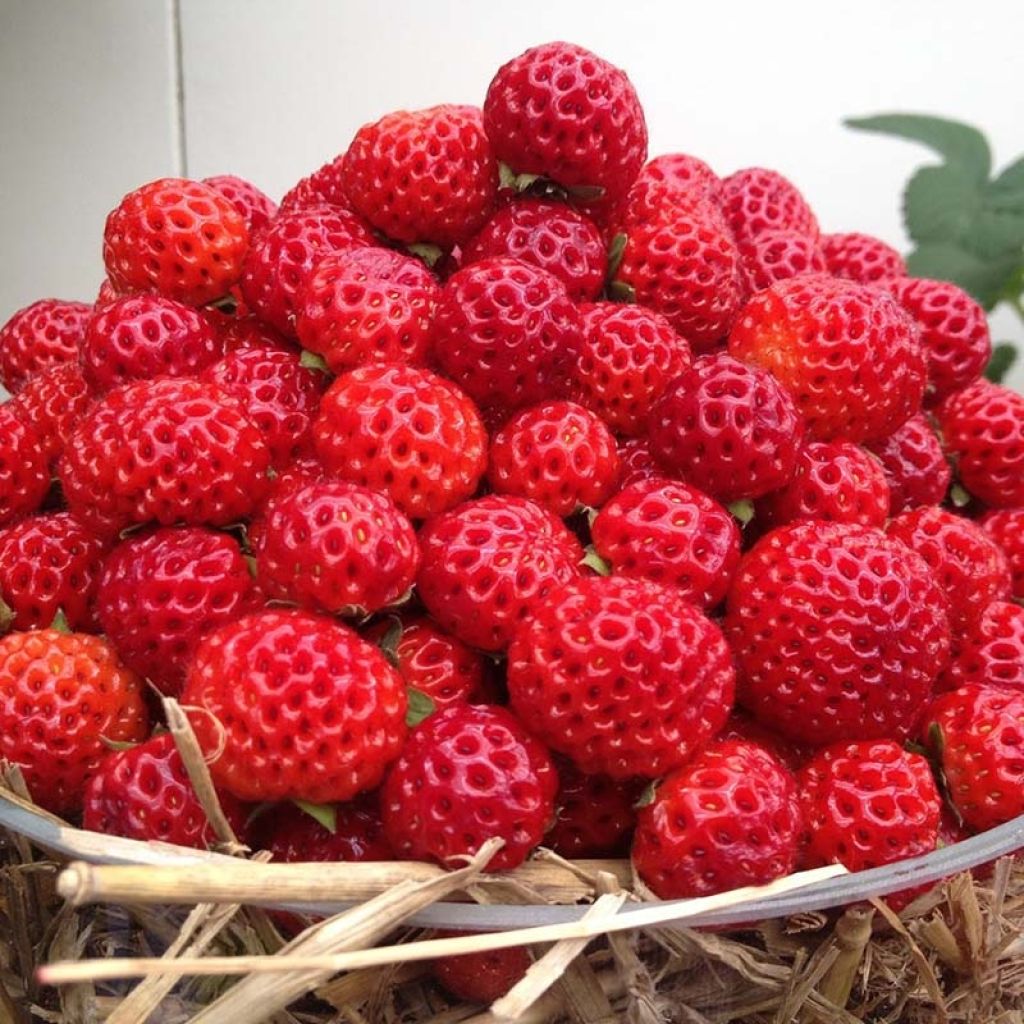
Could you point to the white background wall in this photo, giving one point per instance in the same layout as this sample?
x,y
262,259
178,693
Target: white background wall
x,y
270,89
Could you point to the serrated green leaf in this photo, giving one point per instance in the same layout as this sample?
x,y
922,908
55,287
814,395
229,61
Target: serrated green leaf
x,y
986,280
960,144
1004,355
325,814
996,236
420,706
940,204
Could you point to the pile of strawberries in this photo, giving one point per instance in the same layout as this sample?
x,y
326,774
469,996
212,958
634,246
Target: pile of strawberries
x,y
497,474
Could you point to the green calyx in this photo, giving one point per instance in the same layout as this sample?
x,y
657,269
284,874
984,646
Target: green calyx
x,y
324,814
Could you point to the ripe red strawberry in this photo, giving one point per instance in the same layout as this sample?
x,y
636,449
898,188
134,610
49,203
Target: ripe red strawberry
x,y
507,333
594,815
106,295
562,112
836,481
47,333
684,264
990,652
727,819
487,562
847,352
915,468
866,804
48,563
673,179
61,696
239,333
337,547
277,393
862,258
838,632
162,590
670,533
324,187
145,793
292,835
628,357
302,471
966,563
976,734
404,431
624,677
368,305
52,402
755,200
307,709
278,262
558,454
24,475
982,427
772,256
180,238
424,175
255,207
480,977
166,451
740,725
1006,527
637,461
464,776
436,663
145,336
548,235
730,429
954,331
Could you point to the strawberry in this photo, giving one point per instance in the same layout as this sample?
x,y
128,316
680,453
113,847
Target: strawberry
x,y
838,632
740,725
628,357
487,562
406,432
755,200
730,429
560,111
624,677
594,815
105,296
548,235
62,695
256,208
434,662
324,187
558,454
670,533
145,336
954,332
307,709
727,819
684,264
337,547
673,179
368,305
180,238
47,333
862,258
975,732
164,450
24,476
966,563
48,563
990,652
52,402
1006,527
847,352
480,977
145,793
160,591
278,262
464,776
424,175
303,470
637,461
240,333
292,835
982,427
507,333
772,256
836,481
915,468
277,393
866,804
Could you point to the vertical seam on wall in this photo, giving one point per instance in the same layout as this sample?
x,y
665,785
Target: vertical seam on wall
x,y
178,83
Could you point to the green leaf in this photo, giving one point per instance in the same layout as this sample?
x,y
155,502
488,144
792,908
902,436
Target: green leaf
x,y
60,622
960,144
506,176
527,181
742,510
959,496
420,707
1010,179
594,561
615,253
940,204
250,562
1004,355
312,361
325,814
430,254
389,642
646,798
936,740
117,745
984,279
619,291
